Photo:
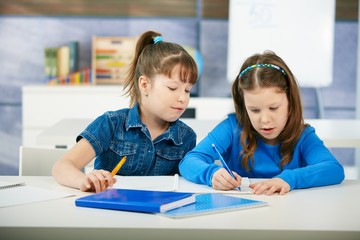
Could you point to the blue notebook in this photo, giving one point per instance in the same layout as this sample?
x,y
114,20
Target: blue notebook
x,y
213,203
136,200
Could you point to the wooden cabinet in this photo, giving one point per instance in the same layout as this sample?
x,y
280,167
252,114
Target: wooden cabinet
x,y
44,106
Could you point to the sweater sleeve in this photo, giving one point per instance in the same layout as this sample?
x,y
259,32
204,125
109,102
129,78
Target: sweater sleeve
x,y
319,166
198,165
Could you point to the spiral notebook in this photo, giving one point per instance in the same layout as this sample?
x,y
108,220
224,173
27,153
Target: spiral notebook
x,y
16,193
210,203
4,185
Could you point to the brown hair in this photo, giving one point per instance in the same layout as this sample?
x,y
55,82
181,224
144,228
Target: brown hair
x,y
157,58
268,77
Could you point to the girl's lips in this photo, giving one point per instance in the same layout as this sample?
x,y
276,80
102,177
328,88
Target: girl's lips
x,y
178,109
267,130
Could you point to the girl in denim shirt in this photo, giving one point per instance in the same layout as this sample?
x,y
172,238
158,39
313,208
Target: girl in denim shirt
x,y
148,133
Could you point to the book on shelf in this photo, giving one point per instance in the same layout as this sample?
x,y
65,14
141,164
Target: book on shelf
x,y
50,62
136,200
74,56
63,57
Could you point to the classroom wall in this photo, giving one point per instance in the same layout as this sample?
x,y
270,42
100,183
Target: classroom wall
x,y
23,39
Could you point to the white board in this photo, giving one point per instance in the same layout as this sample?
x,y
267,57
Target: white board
x,y
300,32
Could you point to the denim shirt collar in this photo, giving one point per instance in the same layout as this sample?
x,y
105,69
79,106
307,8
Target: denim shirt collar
x,y
133,120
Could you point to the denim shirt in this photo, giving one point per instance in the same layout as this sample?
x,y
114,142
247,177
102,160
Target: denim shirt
x,y
121,133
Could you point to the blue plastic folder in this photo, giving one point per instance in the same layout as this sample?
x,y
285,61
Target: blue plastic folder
x,y
213,203
136,200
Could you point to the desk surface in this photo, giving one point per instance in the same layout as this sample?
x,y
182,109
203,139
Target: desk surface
x,y
334,132
316,213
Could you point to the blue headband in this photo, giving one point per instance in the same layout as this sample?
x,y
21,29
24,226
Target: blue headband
x,y
262,65
158,39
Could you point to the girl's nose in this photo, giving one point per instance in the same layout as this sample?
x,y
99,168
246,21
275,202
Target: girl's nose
x,y
265,118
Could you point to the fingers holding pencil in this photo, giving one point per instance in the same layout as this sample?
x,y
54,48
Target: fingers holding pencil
x,y
116,169
99,180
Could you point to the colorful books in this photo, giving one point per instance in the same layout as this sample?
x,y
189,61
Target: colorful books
x,y
62,65
209,203
136,200
83,76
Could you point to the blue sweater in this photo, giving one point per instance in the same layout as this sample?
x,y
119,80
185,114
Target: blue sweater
x,y
312,164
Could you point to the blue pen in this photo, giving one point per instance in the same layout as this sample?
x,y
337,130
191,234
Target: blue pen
x,y
223,162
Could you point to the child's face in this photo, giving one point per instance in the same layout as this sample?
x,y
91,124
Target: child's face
x,y
167,97
267,109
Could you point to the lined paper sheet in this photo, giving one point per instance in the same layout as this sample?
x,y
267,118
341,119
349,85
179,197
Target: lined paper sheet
x,y
166,183
27,194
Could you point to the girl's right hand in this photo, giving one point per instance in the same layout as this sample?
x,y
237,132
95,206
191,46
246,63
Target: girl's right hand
x,y
222,180
97,180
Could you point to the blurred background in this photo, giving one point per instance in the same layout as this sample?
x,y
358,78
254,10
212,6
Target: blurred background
x,y
28,27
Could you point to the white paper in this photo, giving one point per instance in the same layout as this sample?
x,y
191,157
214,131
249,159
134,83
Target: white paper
x,y
166,183
27,194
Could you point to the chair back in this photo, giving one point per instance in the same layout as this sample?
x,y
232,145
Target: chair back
x,y
38,161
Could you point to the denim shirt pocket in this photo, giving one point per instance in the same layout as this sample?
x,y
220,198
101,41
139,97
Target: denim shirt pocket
x,y
128,149
167,160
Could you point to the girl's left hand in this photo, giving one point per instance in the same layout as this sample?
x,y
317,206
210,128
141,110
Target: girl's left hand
x,y
270,186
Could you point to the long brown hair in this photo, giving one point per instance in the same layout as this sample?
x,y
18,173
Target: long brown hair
x,y
264,77
152,58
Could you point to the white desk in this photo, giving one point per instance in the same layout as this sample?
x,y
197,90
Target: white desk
x,y
319,213
334,132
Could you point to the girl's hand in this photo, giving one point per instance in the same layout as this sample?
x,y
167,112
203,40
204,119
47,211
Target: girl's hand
x,y
270,186
222,180
97,180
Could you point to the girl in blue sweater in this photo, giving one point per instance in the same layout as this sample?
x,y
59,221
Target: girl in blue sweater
x,y
266,138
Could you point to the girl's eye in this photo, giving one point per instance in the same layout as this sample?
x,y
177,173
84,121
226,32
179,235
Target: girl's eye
x,y
187,91
255,110
273,108
172,89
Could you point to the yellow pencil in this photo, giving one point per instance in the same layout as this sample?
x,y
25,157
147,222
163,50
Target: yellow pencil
x,y
118,166
116,169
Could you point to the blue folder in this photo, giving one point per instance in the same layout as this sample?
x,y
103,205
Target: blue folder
x,y
136,200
